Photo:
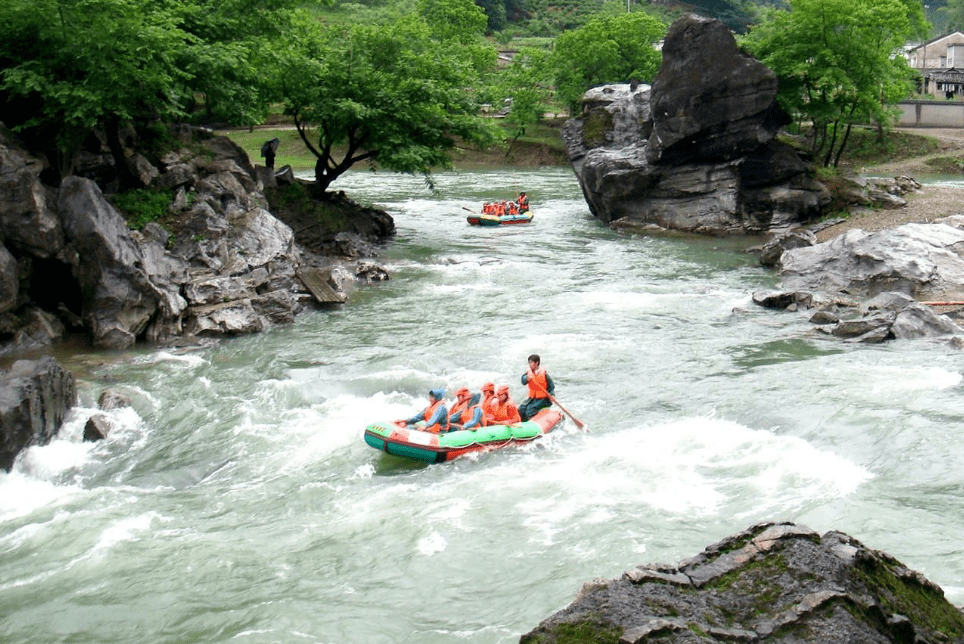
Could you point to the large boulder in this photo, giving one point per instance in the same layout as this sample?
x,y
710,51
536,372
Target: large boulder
x,y
26,222
120,296
35,396
921,260
775,583
710,101
697,150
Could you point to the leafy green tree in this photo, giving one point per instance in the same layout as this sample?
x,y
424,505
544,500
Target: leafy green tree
x,y
527,83
607,49
952,15
396,95
495,14
69,66
838,63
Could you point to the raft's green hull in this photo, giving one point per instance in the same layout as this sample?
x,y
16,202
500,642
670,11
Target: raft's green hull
x,y
438,448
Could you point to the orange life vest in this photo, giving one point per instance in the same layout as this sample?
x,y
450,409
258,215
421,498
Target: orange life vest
x,y
538,385
490,402
437,427
507,413
466,411
523,203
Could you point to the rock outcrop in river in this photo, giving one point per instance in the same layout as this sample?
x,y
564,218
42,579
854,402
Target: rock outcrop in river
x,y
868,286
696,151
777,583
35,395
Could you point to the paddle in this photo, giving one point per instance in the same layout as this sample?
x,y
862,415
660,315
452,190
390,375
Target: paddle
x,y
579,423
470,210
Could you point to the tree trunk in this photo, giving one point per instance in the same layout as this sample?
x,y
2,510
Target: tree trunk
x,y
128,177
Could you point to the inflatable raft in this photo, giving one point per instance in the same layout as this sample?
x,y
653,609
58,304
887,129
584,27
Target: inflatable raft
x,y
499,220
437,448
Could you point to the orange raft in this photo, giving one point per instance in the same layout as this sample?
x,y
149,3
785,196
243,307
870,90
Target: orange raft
x,y
413,443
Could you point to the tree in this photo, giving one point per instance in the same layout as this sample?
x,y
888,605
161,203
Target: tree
x,y
607,49
838,63
527,83
396,95
952,15
69,66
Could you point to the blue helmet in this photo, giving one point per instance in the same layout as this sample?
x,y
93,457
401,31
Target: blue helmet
x,y
437,394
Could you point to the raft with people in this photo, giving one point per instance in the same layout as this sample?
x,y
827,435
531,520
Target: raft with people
x,y
499,220
502,213
411,442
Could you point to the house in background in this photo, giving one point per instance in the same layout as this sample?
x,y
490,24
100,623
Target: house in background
x,y
941,64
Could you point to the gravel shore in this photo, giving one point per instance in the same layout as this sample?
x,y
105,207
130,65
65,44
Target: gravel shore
x,y
932,202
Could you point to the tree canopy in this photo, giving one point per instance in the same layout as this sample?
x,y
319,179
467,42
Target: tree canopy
x,y
951,15
608,49
838,63
398,95
67,66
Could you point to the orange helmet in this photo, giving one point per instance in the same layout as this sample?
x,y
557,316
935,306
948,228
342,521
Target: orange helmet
x,y
503,389
462,391
488,387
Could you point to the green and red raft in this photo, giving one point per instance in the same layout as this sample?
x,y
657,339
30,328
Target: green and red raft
x,y
410,442
486,219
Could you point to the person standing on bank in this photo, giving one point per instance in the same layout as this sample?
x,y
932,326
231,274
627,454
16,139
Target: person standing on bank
x,y
540,388
269,149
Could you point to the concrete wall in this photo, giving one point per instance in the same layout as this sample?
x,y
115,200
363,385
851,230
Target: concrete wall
x,y
931,114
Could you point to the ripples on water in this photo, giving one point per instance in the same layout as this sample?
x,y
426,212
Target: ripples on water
x,y
236,501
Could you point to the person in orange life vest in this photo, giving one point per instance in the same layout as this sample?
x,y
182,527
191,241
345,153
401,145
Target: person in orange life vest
x,y
490,402
487,208
436,416
465,414
540,388
507,413
523,202
511,208
500,209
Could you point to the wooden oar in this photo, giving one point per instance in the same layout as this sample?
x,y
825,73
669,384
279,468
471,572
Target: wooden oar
x,y
470,210
579,423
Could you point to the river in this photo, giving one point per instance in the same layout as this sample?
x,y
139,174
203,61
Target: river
x,y
236,500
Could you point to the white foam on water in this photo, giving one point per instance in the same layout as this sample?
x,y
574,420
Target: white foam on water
x,y
22,494
694,467
888,380
432,544
186,360
127,529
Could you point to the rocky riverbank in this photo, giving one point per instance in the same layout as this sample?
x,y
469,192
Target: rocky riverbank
x,y
214,259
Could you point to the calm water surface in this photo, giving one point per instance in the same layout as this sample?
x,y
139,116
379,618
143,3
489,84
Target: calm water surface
x,y
237,502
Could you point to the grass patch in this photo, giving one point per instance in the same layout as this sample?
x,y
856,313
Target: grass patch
x,y
143,206
291,151
540,145
577,633
946,165
865,149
